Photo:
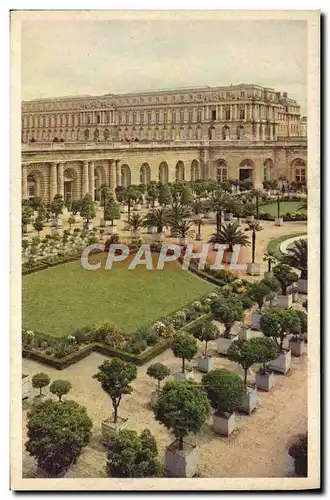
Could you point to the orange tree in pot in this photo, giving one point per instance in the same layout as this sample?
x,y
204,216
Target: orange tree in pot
x,y
278,323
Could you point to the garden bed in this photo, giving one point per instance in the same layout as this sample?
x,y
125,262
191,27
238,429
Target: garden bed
x,y
273,247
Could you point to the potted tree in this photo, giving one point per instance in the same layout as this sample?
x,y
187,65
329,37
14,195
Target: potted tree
x,y
229,235
286,278
253,268
56,208
111,213
87,210
115,377
57,433
159,372
38,224
206,333
279,219
136,221
71,220
157,218
227,311
39,381
27,214
244,353
277,324
297,257
266,350
296,342
225,390
217,203
258,292
165,196
184,231
183,409
184,346
198,221
270,259
60,388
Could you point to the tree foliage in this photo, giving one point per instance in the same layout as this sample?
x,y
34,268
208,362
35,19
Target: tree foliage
x,y
57,205
133,455
297,257
258,292
165,196
87,210
183,408
299,452
227,311
277,323
184,346
230,235
285,276
57,433
40,380
159,372
60,388
225,390
206,333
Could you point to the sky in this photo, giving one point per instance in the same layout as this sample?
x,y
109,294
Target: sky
x,y
101,57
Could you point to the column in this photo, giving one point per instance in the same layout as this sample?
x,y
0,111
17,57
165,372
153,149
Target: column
x,y
118,173
246,113
60,179
24,182
91,180
85,187
52,181
112,175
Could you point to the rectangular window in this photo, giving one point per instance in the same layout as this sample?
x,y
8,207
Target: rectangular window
x,y
242,93
141,118
214,114
165,116
157,116
227,113
149,116
134,117
181,115
199,115
173,116
119,118
242,114
190,116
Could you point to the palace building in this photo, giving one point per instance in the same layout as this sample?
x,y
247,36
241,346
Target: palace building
x,y
72,145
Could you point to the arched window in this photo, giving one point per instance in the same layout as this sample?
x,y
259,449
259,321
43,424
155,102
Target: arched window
x,y
86,134
221,171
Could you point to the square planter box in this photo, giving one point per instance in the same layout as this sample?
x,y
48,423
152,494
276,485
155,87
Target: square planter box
x,y
135,234
282,363
137,206
297,347
295,296
268,275
284,301
223,423
127,226
108,427
152,229
102,222
86,226
181,463
159,237
204,363
111,230
265,381
154,398
245,333
253,269
183,241
302,286
255,320
279,221
181,377
199,237
26,386
223,343
249,401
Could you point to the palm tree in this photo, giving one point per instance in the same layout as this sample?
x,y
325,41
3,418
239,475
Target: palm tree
x,y
157,217
175,214
184,229
217,203
270,259
230,235
297,257
254,226
198,221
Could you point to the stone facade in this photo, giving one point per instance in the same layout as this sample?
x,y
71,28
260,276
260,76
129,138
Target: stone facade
x,y
74,145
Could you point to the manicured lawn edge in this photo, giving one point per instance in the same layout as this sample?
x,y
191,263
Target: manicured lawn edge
x,y
273,246
139,360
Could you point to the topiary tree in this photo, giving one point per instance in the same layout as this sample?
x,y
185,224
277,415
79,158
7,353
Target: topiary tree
x,y
115,377
57,205
258,291
111,209
87,210
285,276
225,390
40,380
159,372
187,196
183,408
244,353
57,433
76,206
277,323
184,346
71,220
60,388
133,455
266,350
227,311
206,333
165,196
38,224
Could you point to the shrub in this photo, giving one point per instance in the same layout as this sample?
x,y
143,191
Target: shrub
x,y
62,349
60,388
182,408
83,335
206,333
225,390
101,332
143,334
227,312
276,323
133,455
40,380
285,276
258,292
266,350
57,433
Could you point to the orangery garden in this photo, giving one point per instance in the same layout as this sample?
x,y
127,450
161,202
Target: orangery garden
x,y
185,367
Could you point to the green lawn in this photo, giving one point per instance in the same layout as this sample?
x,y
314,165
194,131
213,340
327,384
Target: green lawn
x,y
285,207
61,299
273,246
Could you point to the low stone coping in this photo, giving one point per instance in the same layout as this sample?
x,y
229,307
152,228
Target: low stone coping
x,y
286,243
